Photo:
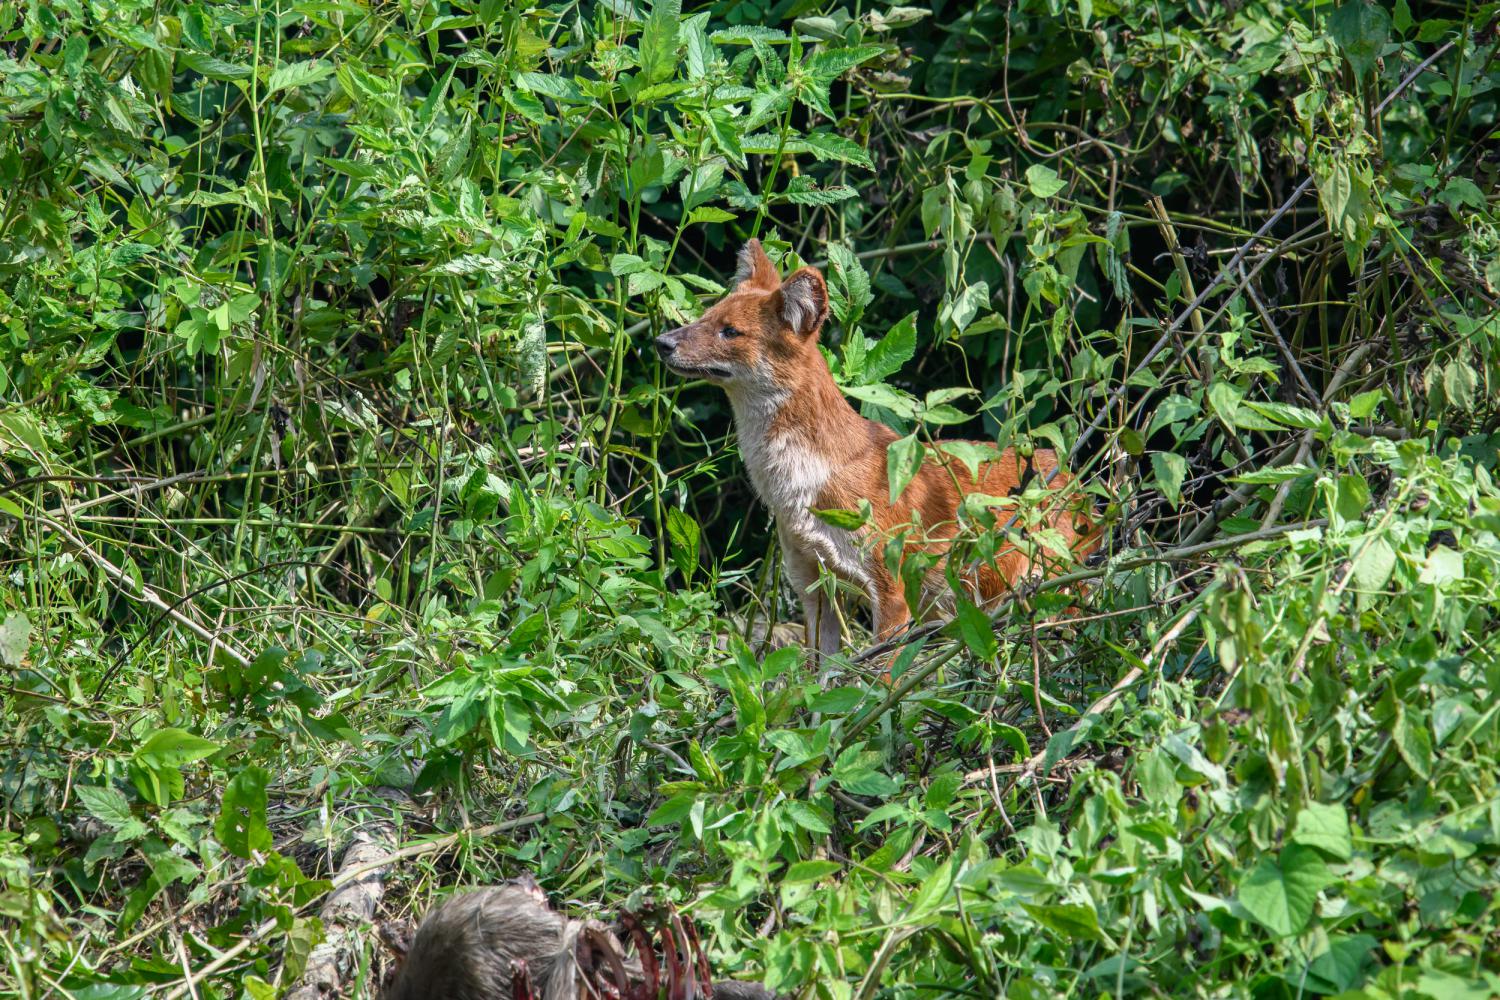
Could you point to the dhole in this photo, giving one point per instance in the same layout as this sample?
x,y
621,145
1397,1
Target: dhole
x,y
806,448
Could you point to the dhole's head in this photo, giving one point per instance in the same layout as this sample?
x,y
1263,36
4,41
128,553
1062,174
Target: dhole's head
x,y
758,334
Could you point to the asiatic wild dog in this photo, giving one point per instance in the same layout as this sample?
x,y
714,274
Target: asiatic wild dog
x,y
807,449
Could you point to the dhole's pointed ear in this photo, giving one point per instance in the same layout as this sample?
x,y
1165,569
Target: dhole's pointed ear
x,y
804,301
755,268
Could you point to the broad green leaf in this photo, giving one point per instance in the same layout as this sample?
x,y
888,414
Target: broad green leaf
x,y
810,871
1280,893
1363,405
289,76
1360,28
902,460
213,67
684,532
1443,566
707,213
1413,742
15,638
896,348
1351,497
1170,470
109,806
1071,920
1043,180
1286,414
174,748
1274,474
881,394
659,40
968,303
934,891
833,63
241,826
550,85
1374,564
832,146
846,519
1326,827
976,630
808,817
848,285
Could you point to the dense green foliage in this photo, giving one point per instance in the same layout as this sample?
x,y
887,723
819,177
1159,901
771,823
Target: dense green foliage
x,y
334,463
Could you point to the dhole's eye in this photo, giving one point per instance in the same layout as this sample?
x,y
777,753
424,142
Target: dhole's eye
x,y
729,332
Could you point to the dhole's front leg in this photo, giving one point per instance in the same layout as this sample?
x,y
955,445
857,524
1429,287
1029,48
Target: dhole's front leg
x,y
888,605
818,611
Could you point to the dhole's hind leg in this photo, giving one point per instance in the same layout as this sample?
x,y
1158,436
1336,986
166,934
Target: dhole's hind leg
x,y
818,611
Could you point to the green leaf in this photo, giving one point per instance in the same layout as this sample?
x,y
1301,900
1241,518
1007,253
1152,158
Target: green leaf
x,y
684,533
834,63
241,826
213,67
172,748
659,40
706,213
935,889
832,146
848,285
1071,920
810,871
846,519
1374,564
1274,474
895,349
968,303
808,817
803,190
550,85
1170,470
289,76
15,638
1360,28
975,628
1413,743
1174,409
1443,566
1351,496
1326,827
622,264
1286,414
109,806
902,460
1460,382
1364,404
1043,180
1281,893
1225,398
880,394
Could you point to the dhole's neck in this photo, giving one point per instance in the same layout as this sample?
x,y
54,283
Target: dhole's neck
x,y
789,428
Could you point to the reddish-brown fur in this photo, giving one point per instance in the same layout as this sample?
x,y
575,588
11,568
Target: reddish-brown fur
x,y
806,447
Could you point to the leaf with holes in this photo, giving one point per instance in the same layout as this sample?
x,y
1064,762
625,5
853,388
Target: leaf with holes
x,y
241,826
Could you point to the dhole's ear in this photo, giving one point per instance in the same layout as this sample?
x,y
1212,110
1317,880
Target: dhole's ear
x,y
804,301
755,268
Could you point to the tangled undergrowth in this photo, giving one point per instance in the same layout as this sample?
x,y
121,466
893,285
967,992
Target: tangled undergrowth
x,y
340,493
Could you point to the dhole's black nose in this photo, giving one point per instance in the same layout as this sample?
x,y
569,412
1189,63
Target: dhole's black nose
x,y
667,343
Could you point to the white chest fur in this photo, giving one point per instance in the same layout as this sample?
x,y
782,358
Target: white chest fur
x,y
789,472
